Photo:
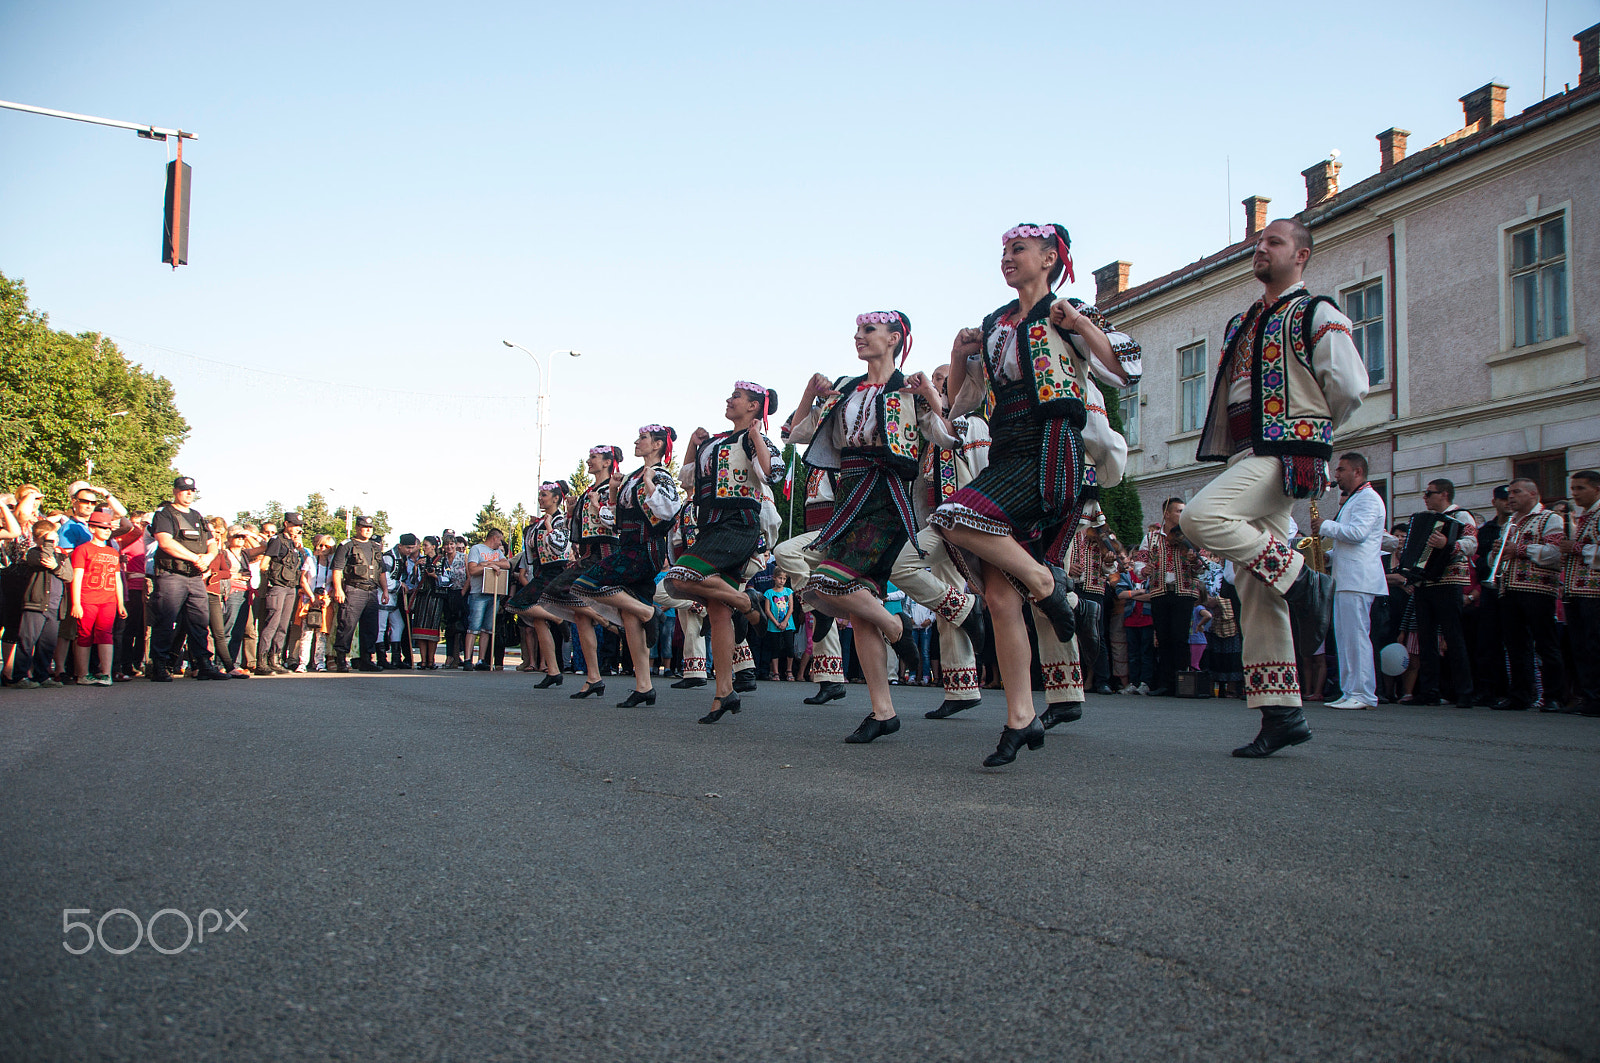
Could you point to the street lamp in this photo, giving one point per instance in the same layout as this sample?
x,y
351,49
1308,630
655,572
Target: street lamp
x,y
544,395
349,510
88,458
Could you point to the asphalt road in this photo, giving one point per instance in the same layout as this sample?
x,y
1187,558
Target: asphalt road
x,y
457,867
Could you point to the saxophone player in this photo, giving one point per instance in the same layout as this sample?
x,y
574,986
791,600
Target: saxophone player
x,y
1356,555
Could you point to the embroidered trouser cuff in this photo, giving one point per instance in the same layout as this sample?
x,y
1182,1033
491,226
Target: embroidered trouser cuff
x,y
1243,515
1058,661
933,581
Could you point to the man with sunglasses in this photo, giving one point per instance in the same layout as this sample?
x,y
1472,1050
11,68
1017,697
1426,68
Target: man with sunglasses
x,y
1439,603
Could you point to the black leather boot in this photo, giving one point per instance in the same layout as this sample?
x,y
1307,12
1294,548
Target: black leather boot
x,y
1057,609
1012,740
1062,712
871,728
1281,725
826,692
949,707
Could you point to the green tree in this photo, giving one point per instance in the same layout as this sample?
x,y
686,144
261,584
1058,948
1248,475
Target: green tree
x,y
489,516
580,480
1124,512
58,394
517,521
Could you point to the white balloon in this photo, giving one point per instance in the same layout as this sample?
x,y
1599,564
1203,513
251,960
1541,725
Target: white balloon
x,y
1394,659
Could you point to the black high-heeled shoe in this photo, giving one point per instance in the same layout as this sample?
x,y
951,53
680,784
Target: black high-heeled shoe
x,y
595,689
550,681
723,706
638,697
1011,740
871,728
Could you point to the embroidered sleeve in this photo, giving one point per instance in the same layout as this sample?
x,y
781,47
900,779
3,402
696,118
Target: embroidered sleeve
x,y
1129,355
1339,367
663,501
1467,544
778,471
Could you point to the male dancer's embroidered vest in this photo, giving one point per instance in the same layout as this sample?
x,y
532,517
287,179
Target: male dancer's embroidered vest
x,y
1289,415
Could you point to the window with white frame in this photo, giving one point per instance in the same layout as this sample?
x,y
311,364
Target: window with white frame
x,y
1364,307
1128,399
1192,387
1539,281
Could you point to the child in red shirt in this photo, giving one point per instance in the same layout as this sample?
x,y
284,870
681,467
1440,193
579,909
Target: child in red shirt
x,y
96,597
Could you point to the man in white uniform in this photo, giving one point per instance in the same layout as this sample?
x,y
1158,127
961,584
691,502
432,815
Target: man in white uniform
x,y
1356,560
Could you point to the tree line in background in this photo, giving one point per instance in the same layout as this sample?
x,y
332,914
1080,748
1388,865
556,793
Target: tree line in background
x,y
58,395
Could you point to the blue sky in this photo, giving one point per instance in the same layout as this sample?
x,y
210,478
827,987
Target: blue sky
x,y
688,195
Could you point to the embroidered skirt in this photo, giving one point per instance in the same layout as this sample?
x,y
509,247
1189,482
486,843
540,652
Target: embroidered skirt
x,y
863,554
1025,457
721,548
427,611
527,596
631,568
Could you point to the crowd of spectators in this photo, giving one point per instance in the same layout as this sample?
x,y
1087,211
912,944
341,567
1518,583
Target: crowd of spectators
x,y
1510,624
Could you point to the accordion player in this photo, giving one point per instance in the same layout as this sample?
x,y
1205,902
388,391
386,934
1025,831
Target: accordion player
x,y
1421,563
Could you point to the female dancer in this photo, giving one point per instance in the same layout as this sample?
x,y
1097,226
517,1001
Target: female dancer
x,y
593,539
866,429
552,551
733,472
1031,352
643,507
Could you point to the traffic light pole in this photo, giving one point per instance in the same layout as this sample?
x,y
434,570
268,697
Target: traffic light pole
x,y
176,230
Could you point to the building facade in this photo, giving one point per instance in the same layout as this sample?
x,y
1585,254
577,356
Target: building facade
x,y
1471,272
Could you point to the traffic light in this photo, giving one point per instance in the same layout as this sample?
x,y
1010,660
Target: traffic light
x,y
175,215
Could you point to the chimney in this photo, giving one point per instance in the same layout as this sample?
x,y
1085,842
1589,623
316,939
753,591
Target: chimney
x,y
1391,147
1322,181
1485,107
1110,281
1589,54
1255,215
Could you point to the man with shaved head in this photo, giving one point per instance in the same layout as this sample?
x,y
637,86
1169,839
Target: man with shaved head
x,y
1289,376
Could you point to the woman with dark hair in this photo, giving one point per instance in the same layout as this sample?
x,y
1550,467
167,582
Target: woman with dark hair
x,y
866,429
546,540
593,539
733,473
1036,354
642,507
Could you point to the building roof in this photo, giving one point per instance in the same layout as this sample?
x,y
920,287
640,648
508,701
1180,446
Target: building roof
x,y
1429,160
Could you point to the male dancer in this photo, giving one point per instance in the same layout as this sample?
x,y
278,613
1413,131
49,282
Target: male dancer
x,y
795,561
1289,376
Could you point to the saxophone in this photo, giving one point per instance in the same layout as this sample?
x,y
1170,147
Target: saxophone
x,y
1311,546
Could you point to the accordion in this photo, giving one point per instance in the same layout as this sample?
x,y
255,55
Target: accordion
x,y
1420,562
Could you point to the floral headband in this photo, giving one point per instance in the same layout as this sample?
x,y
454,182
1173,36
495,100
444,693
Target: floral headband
x,y
603,452
666,435
755,389
1045,232
555,487
890,317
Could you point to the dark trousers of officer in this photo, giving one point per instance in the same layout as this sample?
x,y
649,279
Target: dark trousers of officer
x,y
1528,622
1439,612
277,613
1489,660
454,620
1583,627
1172,614
177,596
360,608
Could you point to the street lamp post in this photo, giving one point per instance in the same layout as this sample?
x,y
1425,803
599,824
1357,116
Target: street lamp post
x,y
544,395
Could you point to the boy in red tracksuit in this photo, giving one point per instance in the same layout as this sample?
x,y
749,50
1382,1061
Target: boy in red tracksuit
x,y
97,598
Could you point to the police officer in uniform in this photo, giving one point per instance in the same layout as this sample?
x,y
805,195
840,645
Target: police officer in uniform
x,y
358,578
400,566
184,551
283,576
